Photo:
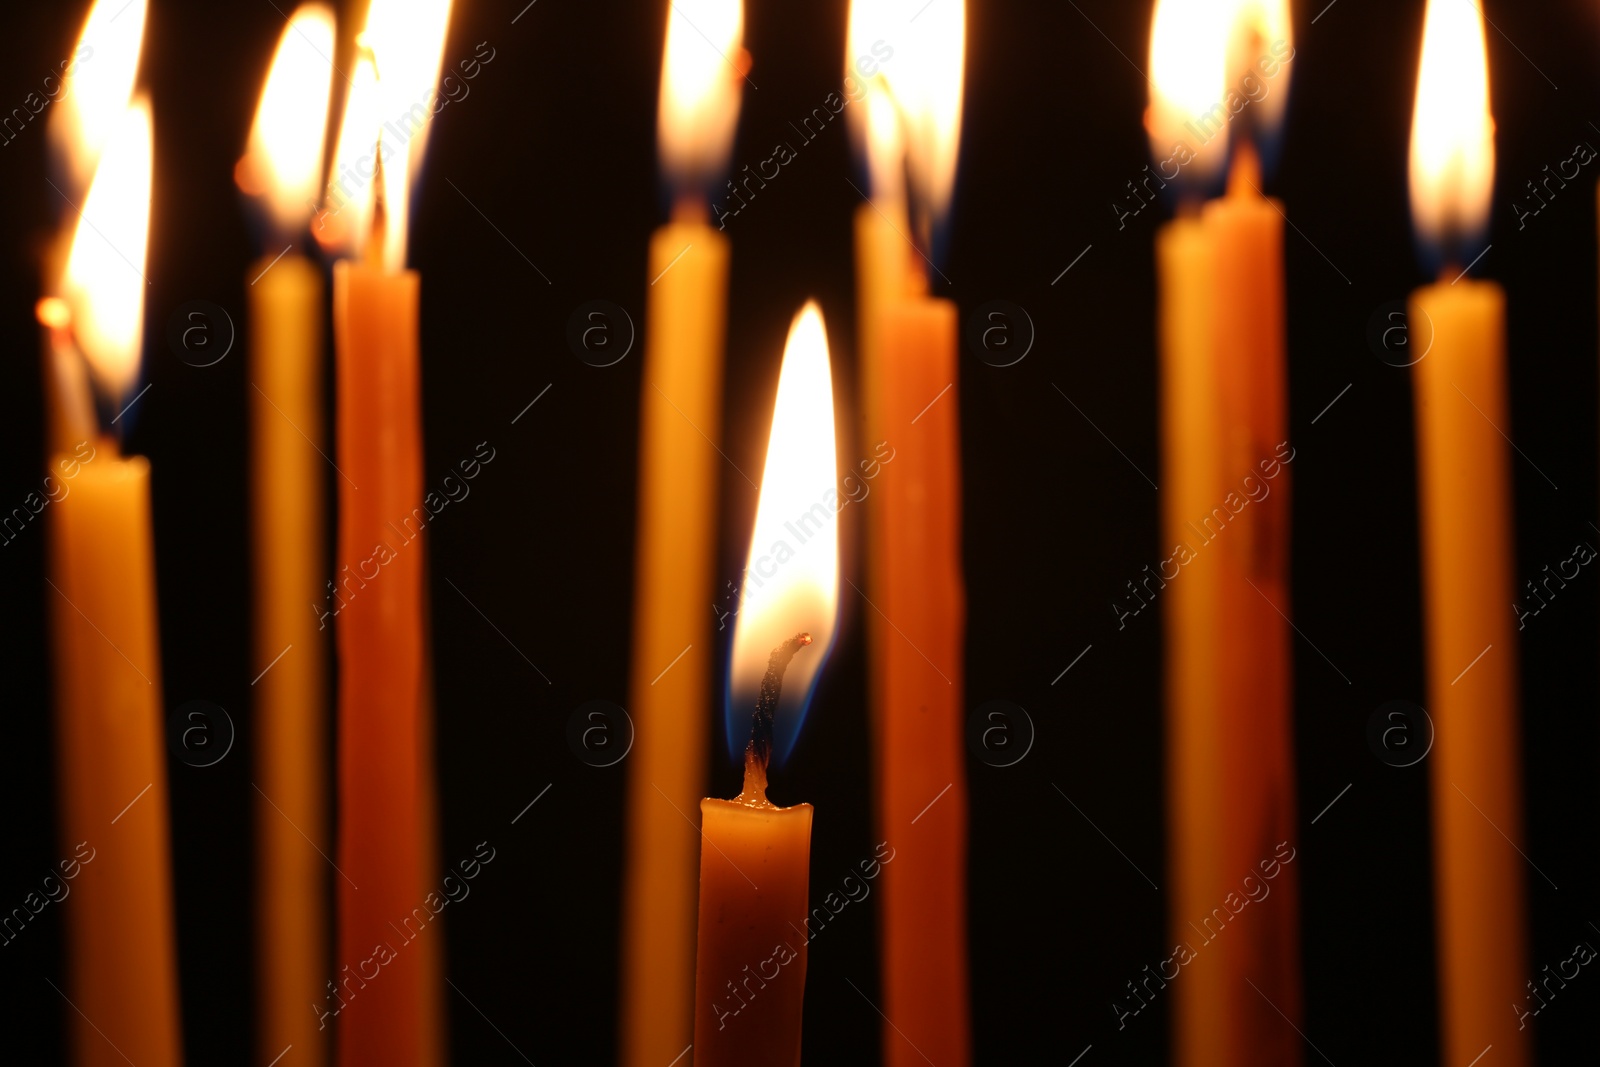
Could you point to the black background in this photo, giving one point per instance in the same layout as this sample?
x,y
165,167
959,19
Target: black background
x,y
555,145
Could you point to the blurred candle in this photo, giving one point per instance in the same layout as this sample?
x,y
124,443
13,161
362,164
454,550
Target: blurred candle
x,y
1230,796
908,351
122,976
283,166
1464,481
675,592
377,592
754,864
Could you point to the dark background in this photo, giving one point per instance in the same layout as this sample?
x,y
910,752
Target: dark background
x,y
556,146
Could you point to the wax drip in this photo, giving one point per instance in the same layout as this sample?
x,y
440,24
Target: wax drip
x,y
758,753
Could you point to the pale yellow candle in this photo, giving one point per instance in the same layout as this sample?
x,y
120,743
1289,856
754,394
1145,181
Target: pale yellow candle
x,y
675,589
283,165
1464,482
121,952
1190,471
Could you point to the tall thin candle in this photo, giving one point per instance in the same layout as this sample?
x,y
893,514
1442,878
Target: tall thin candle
x,y
121,949
912,126
283,165
1464,481
378,586
673,637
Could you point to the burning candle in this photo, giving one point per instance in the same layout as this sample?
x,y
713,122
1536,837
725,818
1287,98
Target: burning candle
x,y
283,166
377,594
680,423
121,951
908,352
754,866
1465,484
1219,78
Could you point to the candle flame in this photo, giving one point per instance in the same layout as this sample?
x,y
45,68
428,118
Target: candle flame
x,y
924,77
1188,86
791,581
97,84
1452,132
1261,37
104,285
284,158
387,115
700,91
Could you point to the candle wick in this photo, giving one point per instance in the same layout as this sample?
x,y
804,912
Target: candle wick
x,y
758,753
380,212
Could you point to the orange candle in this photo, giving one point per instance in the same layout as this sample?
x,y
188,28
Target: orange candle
x,y
675,590
911,122
1464,480
383,990
1229,718
377,594
750,970
283,165
122,980
754,865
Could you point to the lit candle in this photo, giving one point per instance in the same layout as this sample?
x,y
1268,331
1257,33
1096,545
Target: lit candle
x,y
283,165
1464,480
377,594
675,591
121,950
750,969
1219,74
909,392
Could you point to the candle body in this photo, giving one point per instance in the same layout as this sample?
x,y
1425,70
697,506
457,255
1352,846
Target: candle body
x,y
675,603
750,969
883,278
291,630
1191,464
919,759
121,950
1256,748
378,594
1465,486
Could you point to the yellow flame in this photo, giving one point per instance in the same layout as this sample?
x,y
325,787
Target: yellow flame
x,y
284,157
700,82
792,579
97,83
885,145
1256,28
346,216
1452,133
1188,84
105,283
388,113
921,65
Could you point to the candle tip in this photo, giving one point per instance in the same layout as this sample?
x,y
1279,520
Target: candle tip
x,y
760,747
380,211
